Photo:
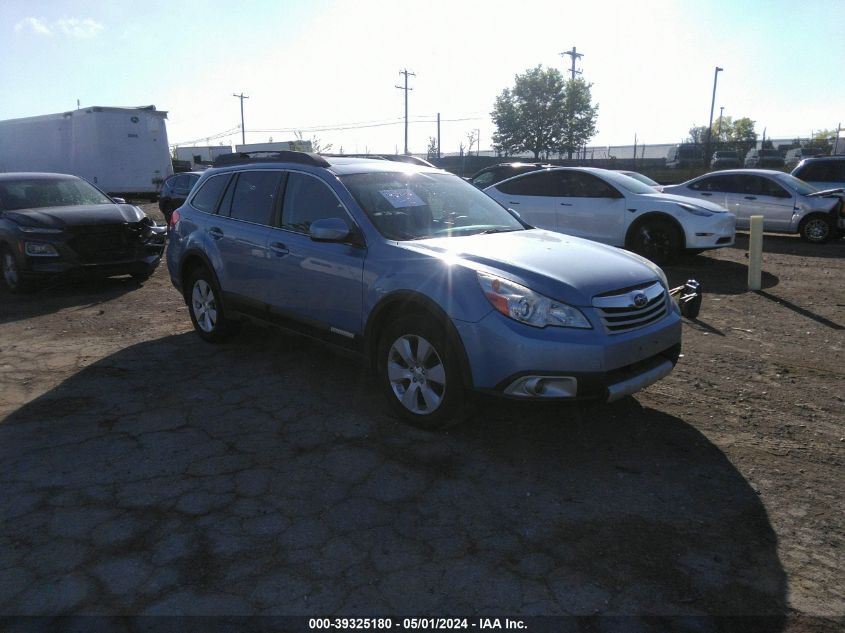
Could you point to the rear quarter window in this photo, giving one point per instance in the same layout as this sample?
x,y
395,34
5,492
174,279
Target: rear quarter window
x,y
207,198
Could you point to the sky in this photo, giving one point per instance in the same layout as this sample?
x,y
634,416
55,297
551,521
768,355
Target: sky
x,y
330,68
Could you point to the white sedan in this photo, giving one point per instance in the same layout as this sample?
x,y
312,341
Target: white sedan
x,y
787,204
612,208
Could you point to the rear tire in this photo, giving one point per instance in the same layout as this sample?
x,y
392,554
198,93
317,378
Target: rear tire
x,y
419,373
205,306
816,228
15,281
656,239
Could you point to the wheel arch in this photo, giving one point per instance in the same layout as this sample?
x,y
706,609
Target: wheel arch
x,y
655,215
192,260
405,302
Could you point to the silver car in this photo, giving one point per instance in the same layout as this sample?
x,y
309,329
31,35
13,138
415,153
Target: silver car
x,y
787,204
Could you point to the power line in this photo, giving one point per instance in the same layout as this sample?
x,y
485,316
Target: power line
x,y
331,128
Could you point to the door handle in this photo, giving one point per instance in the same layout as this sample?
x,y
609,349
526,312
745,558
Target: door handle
x,y
566,204
512,202
215,232
706,194
750,197
279,249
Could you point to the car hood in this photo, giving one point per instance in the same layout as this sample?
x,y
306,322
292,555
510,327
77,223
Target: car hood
x,y
667,196
562,267
76,215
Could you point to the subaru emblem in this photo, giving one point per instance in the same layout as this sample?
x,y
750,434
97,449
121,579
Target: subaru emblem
x,y
640,299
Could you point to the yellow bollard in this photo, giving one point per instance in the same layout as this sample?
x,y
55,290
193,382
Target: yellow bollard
x,y
755,253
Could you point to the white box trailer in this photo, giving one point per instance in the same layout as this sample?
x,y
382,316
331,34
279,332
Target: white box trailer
x,y
199,154
276,146
123,151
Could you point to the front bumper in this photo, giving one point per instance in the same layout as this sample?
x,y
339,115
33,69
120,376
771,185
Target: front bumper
x,y
604,366
718,232
140,257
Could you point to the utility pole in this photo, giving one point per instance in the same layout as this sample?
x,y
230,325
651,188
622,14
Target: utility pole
x,y
719,133
575,55
710,125
477,142
406,89
243,131
438,136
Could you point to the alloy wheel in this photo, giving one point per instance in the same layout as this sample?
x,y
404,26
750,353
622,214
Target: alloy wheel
x,y
204,305
817,230
416,373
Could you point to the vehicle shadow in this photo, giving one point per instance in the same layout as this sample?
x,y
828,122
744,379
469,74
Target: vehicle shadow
x,y
792,245
61,294
719,276
265,476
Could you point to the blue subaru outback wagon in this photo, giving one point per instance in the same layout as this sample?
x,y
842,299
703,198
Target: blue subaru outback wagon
x,y
439,286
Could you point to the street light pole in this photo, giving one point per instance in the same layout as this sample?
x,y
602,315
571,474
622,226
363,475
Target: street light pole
x,y
710,124
719,133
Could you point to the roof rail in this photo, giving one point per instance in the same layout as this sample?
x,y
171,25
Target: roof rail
x,y
284,156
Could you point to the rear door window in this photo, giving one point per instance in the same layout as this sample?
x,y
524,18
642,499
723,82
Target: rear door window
x,y
254,196
544,183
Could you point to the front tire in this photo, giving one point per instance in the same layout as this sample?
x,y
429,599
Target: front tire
x,y
206,308
12,274
656,239
816,229
419,374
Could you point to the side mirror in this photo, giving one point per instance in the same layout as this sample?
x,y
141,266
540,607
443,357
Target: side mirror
x,y
118,200
329,230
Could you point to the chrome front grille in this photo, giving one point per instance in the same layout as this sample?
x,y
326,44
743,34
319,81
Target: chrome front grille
x,y
631,308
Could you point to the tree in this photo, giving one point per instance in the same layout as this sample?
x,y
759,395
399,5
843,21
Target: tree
x,y
472,139
579,126
431,151
317,146
697,134
542,114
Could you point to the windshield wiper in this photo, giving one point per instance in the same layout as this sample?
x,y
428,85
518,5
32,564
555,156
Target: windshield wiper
x,y
499,230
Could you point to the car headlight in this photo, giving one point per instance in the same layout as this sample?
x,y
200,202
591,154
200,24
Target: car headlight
x,y
691,208
526,306
40,249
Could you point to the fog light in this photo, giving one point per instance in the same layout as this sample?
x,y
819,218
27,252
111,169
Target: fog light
x,y
40,249
543,387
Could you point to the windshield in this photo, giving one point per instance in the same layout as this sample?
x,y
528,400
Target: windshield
x,y
413,206
34,193
643,179
798,185
726,155
626,182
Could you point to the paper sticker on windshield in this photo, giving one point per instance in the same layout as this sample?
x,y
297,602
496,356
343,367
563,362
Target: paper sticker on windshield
x,y
402,198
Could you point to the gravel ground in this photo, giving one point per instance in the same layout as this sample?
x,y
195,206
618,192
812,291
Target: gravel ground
x,y
143,471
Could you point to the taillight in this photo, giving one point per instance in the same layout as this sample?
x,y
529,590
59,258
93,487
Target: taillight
x,y
174,218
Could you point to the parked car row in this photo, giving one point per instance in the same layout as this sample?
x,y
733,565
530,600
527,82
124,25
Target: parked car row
x,y
690,155
445,289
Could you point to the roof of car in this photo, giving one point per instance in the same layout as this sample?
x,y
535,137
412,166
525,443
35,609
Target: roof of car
x,y
34,175
818,159
338,165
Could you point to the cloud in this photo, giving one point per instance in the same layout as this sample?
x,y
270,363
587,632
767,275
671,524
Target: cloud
x,y
70,27
84,29
33,24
